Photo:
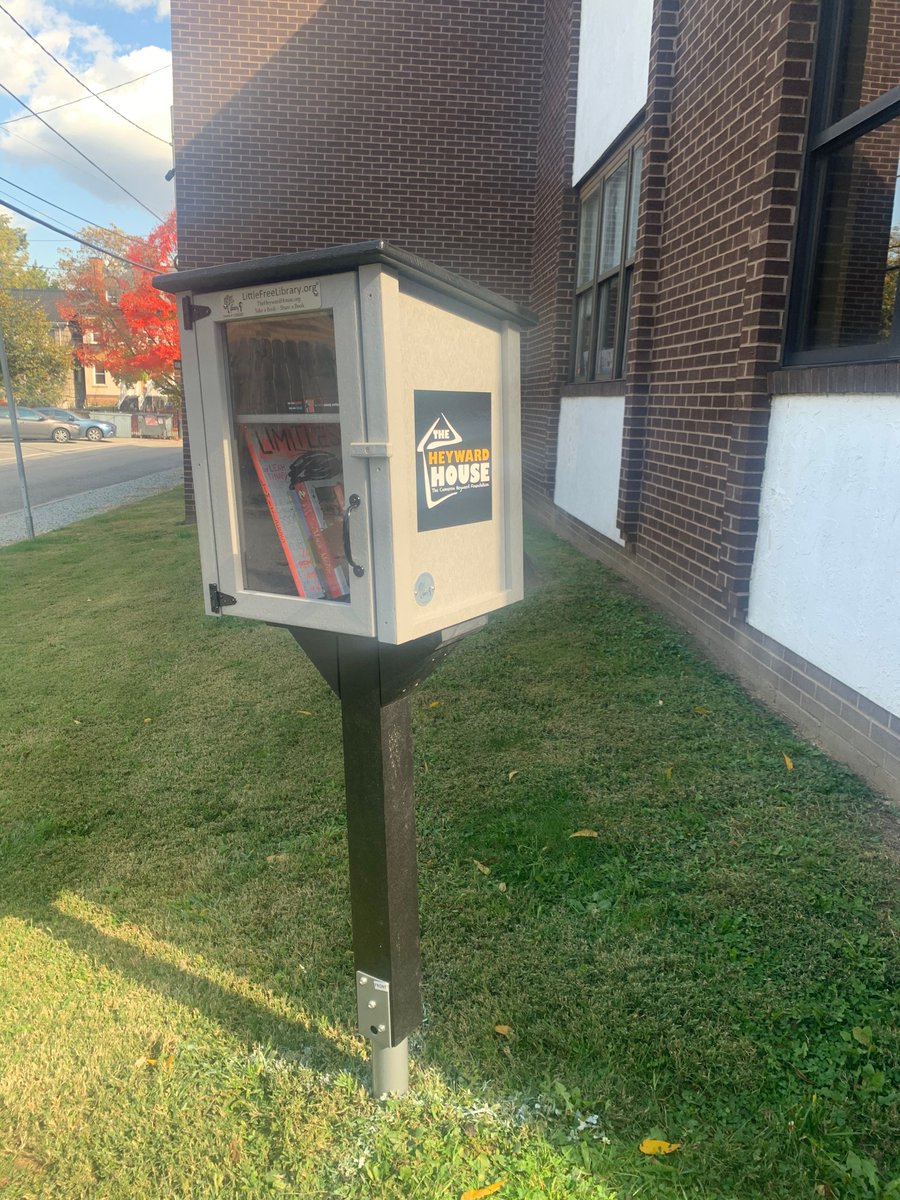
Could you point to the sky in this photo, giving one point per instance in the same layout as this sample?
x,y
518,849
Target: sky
x,y
104,43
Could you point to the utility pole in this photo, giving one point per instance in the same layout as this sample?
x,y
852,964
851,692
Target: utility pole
x,y
20,462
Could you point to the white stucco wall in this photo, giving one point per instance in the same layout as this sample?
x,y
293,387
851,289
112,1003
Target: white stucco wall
x,y
613,64
826,574
589,460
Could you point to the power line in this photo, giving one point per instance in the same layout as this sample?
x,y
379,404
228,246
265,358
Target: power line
x,y
59,207
4,196
81,99
121,186
74,238
72,166
80,82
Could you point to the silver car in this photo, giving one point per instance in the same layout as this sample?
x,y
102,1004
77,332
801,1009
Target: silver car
x,y
34,424
92,428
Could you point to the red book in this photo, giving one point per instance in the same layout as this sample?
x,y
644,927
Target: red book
x,y
272,463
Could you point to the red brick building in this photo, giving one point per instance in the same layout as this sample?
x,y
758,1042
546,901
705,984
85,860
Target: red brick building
x,y
699,198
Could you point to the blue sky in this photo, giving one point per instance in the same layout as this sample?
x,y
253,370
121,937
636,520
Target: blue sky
x,y
105,43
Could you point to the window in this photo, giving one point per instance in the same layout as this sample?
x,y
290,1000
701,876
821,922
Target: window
x,y
607,238
99,377
844,302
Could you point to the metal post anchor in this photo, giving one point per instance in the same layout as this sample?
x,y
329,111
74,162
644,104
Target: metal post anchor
x,y
390,1070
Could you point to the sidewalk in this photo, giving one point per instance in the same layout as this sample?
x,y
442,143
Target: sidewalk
x,y
59,513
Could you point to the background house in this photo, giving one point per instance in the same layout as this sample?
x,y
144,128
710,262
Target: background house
x,y
85,387
698,198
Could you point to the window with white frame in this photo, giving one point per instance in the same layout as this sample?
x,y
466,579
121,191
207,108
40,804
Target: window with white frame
x,y
99,377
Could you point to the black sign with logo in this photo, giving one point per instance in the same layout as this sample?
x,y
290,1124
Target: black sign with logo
x,y
454,458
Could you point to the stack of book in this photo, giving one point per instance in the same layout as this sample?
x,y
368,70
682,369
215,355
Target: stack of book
x,y
299,471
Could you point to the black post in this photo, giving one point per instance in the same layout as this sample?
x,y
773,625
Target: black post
x,y
381,835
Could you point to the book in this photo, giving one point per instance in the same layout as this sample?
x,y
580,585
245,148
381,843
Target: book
x,y
273,450
317,485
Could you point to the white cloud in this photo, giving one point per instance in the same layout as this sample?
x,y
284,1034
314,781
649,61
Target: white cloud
x,y
161,7
136,159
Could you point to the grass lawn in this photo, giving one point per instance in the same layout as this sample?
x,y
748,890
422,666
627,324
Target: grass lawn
x,y
716,967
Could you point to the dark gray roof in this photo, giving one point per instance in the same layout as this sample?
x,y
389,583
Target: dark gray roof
x,y
47,298
282,267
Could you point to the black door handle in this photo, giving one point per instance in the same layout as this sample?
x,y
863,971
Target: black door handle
x,y
352,503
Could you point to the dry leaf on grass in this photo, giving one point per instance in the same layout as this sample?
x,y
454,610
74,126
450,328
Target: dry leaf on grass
x,y
655,1146
304,712
503,1030
669,771
584,833
435,704
480,1193
277,858
702,709
481,867
788,762
512,775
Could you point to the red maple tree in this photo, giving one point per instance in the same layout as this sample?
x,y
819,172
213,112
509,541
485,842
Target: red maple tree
x,y
130,328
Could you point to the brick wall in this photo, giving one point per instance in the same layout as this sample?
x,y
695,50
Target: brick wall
x,y
724,155
553,249
302,125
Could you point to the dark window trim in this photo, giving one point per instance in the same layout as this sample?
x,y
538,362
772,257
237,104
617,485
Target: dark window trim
x,y
822,141
598,387
828,379
628,134
621,153
848,129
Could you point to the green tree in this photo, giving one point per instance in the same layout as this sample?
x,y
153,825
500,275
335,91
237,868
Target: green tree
x,y
37,363
16,271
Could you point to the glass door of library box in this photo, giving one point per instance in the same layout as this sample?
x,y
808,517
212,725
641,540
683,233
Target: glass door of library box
x,y
289,502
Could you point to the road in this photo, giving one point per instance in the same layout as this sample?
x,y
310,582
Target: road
x,y
77,479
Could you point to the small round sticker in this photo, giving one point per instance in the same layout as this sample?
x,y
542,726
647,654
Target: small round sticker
x,y
424,588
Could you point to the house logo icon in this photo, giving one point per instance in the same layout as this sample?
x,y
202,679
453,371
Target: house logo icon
x,y
438,487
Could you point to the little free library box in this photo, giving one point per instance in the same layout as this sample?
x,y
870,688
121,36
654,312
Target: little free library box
x,y
354,432
355,440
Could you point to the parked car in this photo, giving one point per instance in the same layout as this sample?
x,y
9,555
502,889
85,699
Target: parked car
x,y
34,424
92,428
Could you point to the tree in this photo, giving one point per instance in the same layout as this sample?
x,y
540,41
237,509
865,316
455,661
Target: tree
x,y
37,363
15,269
134,327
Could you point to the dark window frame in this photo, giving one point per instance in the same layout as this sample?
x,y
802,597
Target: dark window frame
x,y
825,137
618,277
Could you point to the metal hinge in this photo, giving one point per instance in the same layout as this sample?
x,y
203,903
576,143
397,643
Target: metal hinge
x,y
191,312
219,600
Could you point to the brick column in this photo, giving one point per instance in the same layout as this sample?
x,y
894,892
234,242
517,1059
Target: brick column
x,y
646,269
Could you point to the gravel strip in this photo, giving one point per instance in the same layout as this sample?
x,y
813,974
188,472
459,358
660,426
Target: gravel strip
x,y
59,513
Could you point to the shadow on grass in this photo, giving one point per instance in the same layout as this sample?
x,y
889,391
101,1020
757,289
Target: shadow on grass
x,y
251,1021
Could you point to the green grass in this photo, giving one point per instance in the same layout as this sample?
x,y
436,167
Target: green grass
x,y
717,967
